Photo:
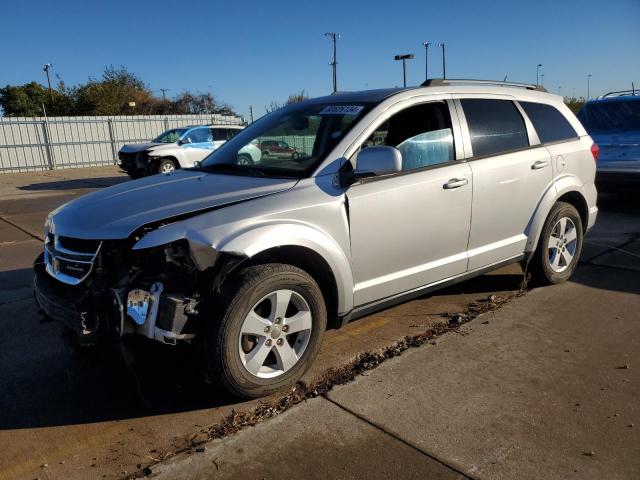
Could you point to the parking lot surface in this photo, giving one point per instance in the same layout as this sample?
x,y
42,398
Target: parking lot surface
x,y
64,416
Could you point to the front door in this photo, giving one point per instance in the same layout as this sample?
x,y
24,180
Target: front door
x,y
411,229
199,146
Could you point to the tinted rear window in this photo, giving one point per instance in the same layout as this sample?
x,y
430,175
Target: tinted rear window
x,y
495,126
551,125
622,116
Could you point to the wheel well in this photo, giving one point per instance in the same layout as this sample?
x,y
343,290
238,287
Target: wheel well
x,y
311,262
577,200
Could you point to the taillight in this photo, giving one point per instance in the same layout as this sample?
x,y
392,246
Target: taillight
x,y
595,151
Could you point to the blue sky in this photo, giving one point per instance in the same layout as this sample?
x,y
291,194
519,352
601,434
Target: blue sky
x,y
252,52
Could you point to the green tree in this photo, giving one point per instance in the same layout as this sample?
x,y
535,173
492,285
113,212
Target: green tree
x,y
118,92
575,104
296,97
24,100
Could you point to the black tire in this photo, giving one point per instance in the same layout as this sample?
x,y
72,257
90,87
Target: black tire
x,y
245,159
540,265
223,331
295,156
166,165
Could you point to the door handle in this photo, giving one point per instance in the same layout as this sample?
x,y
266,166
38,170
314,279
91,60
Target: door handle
x,y
455,183
538,164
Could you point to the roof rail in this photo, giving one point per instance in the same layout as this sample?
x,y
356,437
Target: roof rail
x,y
621,93
438,82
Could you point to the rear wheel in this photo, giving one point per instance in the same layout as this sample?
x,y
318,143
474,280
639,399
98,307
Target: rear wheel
x,y
559,246
269,329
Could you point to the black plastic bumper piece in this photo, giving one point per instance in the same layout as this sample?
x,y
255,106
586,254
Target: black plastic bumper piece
x,y
55,306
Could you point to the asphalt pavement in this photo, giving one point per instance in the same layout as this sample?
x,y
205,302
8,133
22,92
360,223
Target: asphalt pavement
x,y
439,411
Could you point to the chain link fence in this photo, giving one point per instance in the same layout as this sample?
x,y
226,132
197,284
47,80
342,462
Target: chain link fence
x,y
41,143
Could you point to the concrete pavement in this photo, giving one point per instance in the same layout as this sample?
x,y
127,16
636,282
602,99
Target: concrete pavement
x,y
546,387
96,417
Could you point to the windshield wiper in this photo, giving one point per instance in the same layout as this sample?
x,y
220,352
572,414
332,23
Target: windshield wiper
x,y
229,167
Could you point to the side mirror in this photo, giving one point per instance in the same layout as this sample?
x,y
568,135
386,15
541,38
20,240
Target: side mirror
x,y
184,141
380,160
197,164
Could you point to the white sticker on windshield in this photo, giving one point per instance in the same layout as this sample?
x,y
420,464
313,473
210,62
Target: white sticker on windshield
x,y
341,110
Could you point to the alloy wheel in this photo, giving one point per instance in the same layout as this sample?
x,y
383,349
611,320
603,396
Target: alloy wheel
x,y
275,334
167,167
562,244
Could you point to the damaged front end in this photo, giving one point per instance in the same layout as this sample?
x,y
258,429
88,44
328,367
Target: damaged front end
x,y
107,289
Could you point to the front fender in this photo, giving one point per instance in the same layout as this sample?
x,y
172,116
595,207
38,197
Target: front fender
x,y
262,238
207,244
562,185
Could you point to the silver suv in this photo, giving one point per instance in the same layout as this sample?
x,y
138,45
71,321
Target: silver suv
x,y
393,193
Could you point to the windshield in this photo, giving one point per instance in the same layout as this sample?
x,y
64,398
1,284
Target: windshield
x,y
619,116
290,142
170,136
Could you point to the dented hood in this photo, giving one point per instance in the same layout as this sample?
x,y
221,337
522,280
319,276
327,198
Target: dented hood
x,y
116,212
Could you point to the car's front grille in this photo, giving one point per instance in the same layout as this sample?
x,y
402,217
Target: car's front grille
x,y
133,159
70,260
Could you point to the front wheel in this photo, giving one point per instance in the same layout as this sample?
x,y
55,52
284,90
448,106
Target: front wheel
x,y
245,159
270,325
559,246
166,165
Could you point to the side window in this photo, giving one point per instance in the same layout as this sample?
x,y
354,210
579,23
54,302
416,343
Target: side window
x,y
495,126
231,132
219,134
199,135
422,133
550,124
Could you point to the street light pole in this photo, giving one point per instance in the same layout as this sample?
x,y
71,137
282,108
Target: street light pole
x,y
334,36
538,74
588,85
46,70
444,61
404,58
426,60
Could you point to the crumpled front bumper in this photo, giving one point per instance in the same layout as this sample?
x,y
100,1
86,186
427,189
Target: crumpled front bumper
x,y
55,303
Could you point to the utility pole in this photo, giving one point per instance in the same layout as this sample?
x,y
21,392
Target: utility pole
x,y
426,59
334,36
164,96
404,58
444,61
542,79
251,112
538,74
46,68
588,85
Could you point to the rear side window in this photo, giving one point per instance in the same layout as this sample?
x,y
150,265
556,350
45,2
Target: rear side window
x,y
495,126
219,134
613,116
551,125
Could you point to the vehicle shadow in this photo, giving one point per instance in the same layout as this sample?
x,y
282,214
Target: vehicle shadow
x,y
44,382
74,184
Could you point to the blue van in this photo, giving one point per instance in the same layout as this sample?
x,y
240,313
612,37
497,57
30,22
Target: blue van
x,y
613,121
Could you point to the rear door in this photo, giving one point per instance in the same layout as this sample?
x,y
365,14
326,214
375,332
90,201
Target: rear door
x,y
511,173
567,150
